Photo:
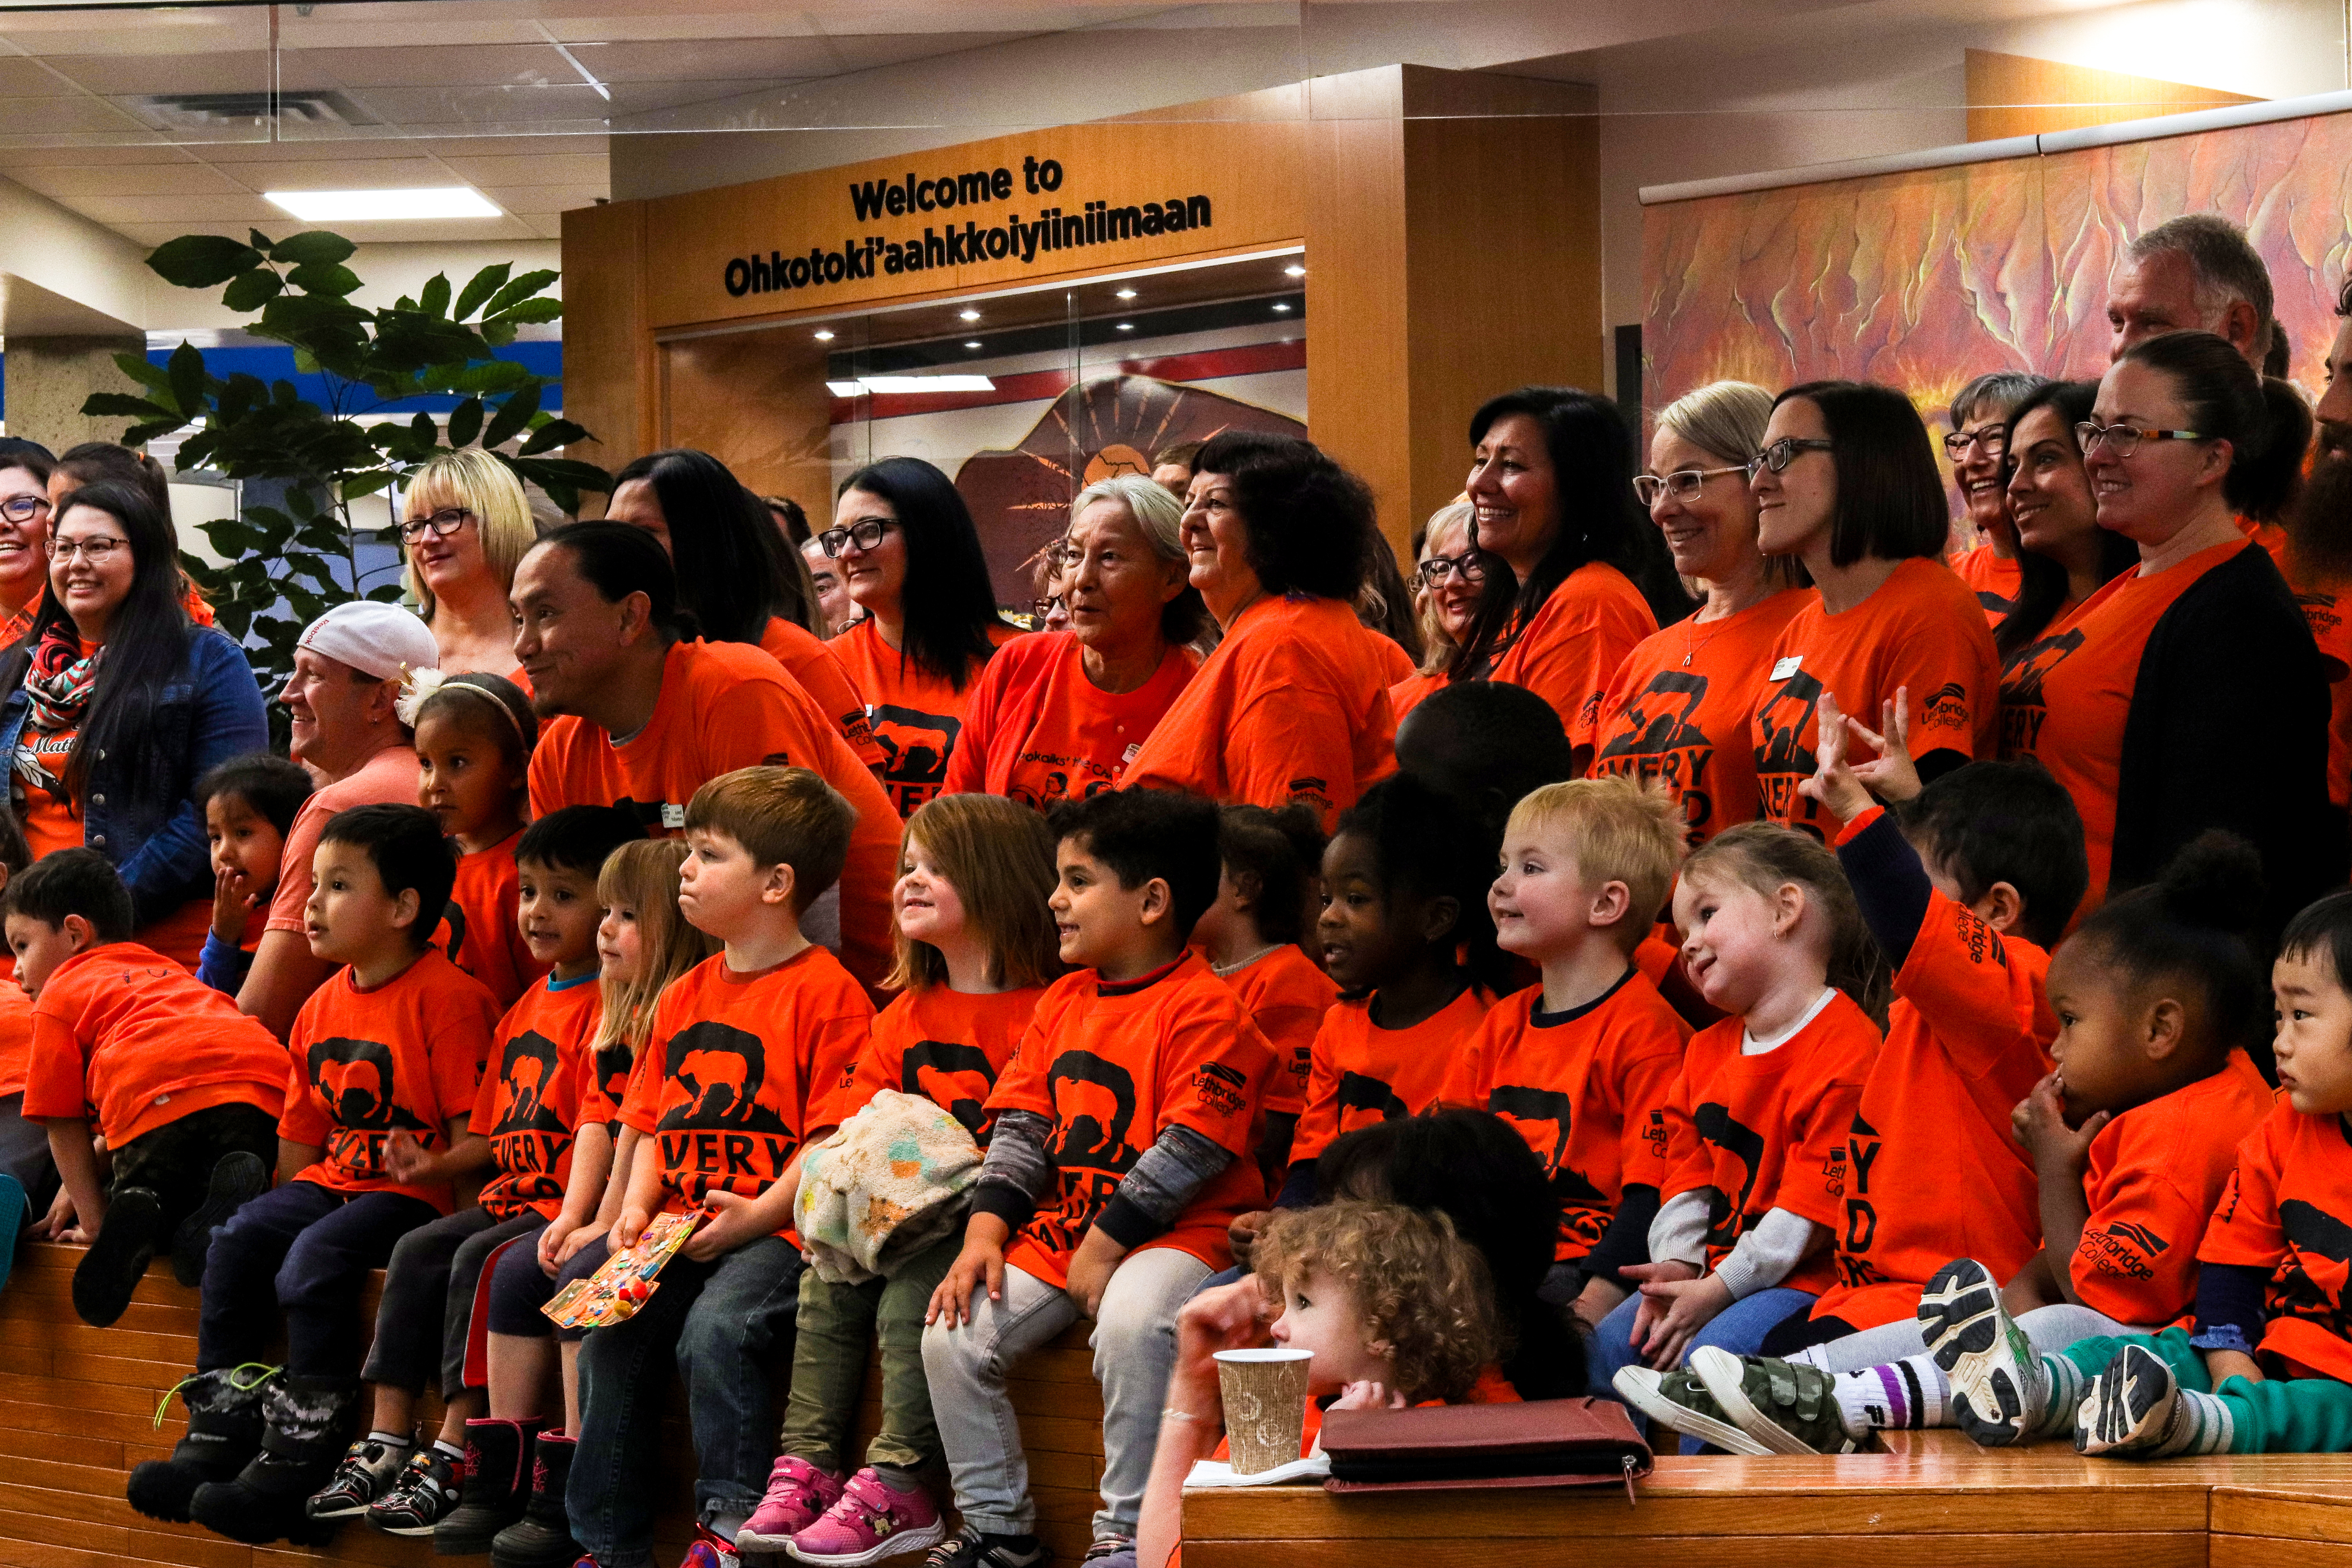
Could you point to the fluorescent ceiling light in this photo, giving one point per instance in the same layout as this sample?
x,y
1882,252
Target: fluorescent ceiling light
x,y
908,383
362,207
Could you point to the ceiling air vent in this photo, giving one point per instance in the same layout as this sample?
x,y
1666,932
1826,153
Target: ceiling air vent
x,y
220,110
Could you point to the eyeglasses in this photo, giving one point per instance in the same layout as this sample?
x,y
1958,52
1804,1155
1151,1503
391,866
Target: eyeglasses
x,y
24,509
2123,440
98,552
443,523
1993,439
1683,484
1470,564
866,535
1781,454
1045,608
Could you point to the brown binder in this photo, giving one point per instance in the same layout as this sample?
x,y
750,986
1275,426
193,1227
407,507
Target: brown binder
x,y
1547,1443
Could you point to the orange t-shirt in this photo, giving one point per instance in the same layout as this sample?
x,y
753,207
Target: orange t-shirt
x,y
1363,1073
606,1074
1286,997
403,1058
529,1103
388,778
1411,691
2065,698
818,669
1768,1131
1569,650
735,1063
484,936
1996,580
16,1036
1920,630
947,1045
1293,706
2287,1208
1114,1065
1677,711
725,706
1587,1089
2330,620
2154,1177
1395,663
1933,1170
1038,731
917,718
122,1027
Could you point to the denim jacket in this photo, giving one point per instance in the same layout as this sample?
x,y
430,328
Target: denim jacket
x,y
138,808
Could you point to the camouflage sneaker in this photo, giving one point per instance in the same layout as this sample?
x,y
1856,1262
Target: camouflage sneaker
x,y
1789,1407
1679,1401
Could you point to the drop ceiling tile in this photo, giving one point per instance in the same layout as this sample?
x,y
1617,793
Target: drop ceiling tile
x,y
315,172
237,208
437,65
436,232
234,70
540,200
709,59
182,178
549,168
92,157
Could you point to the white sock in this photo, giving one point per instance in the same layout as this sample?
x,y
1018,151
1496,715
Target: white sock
x,y
392,1439
2062,1383
443,1445
1903,1396
2201,1423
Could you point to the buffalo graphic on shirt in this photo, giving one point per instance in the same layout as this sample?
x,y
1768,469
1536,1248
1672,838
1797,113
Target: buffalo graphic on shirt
x,y
2309,1282
1727,1213
915,748
529,1137
1782,758
1541,1116
1365,1101
711,1082
1660,740
2022,706
1094,1104
356,1079
951,1075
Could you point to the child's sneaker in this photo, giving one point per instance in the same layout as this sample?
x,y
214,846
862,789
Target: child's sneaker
x,y
1790,1407
423,1493
368,1469
707,1551
1678,1401
1118,1552
237,1180
871,1520
2131,1408
972,1550
798,1494
1999,1386
111,1271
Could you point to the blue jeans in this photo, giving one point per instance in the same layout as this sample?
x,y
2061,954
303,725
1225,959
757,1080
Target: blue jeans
x,y
307,1249
1738,1328
719,1321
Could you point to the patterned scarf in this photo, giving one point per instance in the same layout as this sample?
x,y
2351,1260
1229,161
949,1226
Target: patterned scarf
x,y
58,686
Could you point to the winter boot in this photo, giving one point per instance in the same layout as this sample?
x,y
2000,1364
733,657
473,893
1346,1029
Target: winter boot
x,y
309,1421
223,1433
237,1180
497,1486
111,1271
543,1539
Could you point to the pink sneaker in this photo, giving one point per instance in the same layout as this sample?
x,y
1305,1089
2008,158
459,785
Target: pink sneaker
x,y
872,1521
797,1493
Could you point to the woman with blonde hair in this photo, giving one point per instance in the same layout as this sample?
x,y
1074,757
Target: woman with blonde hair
x,y
1678,708
1449,573
465,522
1059,714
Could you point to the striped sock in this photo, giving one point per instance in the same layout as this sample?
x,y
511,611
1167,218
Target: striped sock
x,y
2201,1424
1907,1395
2064,1381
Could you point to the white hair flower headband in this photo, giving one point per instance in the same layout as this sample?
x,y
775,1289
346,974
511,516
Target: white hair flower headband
x,y
419,685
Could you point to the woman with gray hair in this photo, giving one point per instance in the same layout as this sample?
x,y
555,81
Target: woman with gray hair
x,y
1059,714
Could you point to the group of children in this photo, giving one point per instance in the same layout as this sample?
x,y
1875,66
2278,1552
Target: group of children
x,y
1500,1093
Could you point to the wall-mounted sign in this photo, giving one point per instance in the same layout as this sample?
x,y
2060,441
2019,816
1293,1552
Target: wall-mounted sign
x,y
1080,199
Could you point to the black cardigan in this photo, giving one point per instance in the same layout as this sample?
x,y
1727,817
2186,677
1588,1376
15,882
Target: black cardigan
x,y
2228,727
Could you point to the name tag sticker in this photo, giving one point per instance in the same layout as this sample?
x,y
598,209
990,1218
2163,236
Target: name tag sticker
x,y
1785,668
1128,756
673,814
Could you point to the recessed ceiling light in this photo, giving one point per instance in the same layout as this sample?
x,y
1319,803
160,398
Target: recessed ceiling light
x,y
1126,293
973,343
1127,326
1294,273
967,315
362,206
1282,307
824,337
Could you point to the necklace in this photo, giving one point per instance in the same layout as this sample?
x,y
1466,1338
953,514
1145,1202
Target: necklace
x,y
1222,970
1691,651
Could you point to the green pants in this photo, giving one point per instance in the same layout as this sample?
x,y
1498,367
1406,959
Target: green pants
x,y
836,1324
2276,1415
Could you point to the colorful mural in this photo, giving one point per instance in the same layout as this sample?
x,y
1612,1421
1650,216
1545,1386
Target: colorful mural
x,y
1925,279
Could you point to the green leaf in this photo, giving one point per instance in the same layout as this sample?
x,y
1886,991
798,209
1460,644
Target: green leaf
x,y
530,310
317,245
251,291
466,422
201,260
302,504
435,300
562,471
498,334
554,433
485,283
367,484
492,375
187,371
514,413
516,292
139,435
260,241
144,371
101,402
324,277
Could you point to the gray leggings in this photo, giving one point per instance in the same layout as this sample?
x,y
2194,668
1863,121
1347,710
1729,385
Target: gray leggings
x,y
2048,1329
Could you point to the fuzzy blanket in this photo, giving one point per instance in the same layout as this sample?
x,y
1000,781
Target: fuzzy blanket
x,y
891,1182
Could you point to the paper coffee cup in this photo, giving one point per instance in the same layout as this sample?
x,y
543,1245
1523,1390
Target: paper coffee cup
x,y
1264,1394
